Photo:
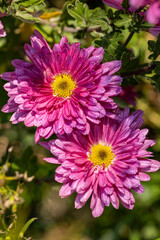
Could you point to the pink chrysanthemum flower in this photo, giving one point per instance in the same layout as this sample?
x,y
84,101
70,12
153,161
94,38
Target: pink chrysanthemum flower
x,y
106,164
61,89
113,3
153,12
2,31
152,8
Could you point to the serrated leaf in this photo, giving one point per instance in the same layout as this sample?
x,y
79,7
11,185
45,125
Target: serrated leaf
x,y
25,17
155,80
23,9
121,49
3,6
28,3
155,48
98,18
80,12
125,21
125,58
109,44
151,45
85,17
157,69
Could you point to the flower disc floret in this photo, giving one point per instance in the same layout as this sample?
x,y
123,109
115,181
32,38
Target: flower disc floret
x,y
107,164
61,89
63,86
101,155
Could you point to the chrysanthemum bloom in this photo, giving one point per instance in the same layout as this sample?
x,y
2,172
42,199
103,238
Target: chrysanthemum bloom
x,y
2,31
106,164
61,89
139,3
113,3
153,12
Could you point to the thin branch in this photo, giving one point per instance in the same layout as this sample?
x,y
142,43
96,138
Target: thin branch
x,y
139,71
129,38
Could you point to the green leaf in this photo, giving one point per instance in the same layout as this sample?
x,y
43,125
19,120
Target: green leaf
x,y
85,17
28,3
25,9
98,18
154,47
125,21
157,69
24,229
151,45
80,12
155,81
110,43
3,6
24,16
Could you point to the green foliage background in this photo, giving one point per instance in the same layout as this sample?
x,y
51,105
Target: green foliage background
x,y
28,189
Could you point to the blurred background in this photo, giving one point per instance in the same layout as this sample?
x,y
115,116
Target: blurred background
x,y
28,189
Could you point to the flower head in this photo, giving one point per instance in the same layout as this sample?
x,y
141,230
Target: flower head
x,y
153,9
61,89
2,31
153,13
106,164
139,3
114,3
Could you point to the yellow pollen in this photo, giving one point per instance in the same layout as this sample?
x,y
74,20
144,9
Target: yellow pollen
x,y
63,86
101,155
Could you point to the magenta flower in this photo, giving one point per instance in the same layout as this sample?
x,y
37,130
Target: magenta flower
x,y
2,31
139,3
155,30
61,89
153,13
113,3
106,164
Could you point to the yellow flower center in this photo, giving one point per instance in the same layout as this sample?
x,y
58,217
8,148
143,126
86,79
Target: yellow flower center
x,y
101,154
63,85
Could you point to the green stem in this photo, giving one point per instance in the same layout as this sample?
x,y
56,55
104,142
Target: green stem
x,y
3,222
129,38
139,71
